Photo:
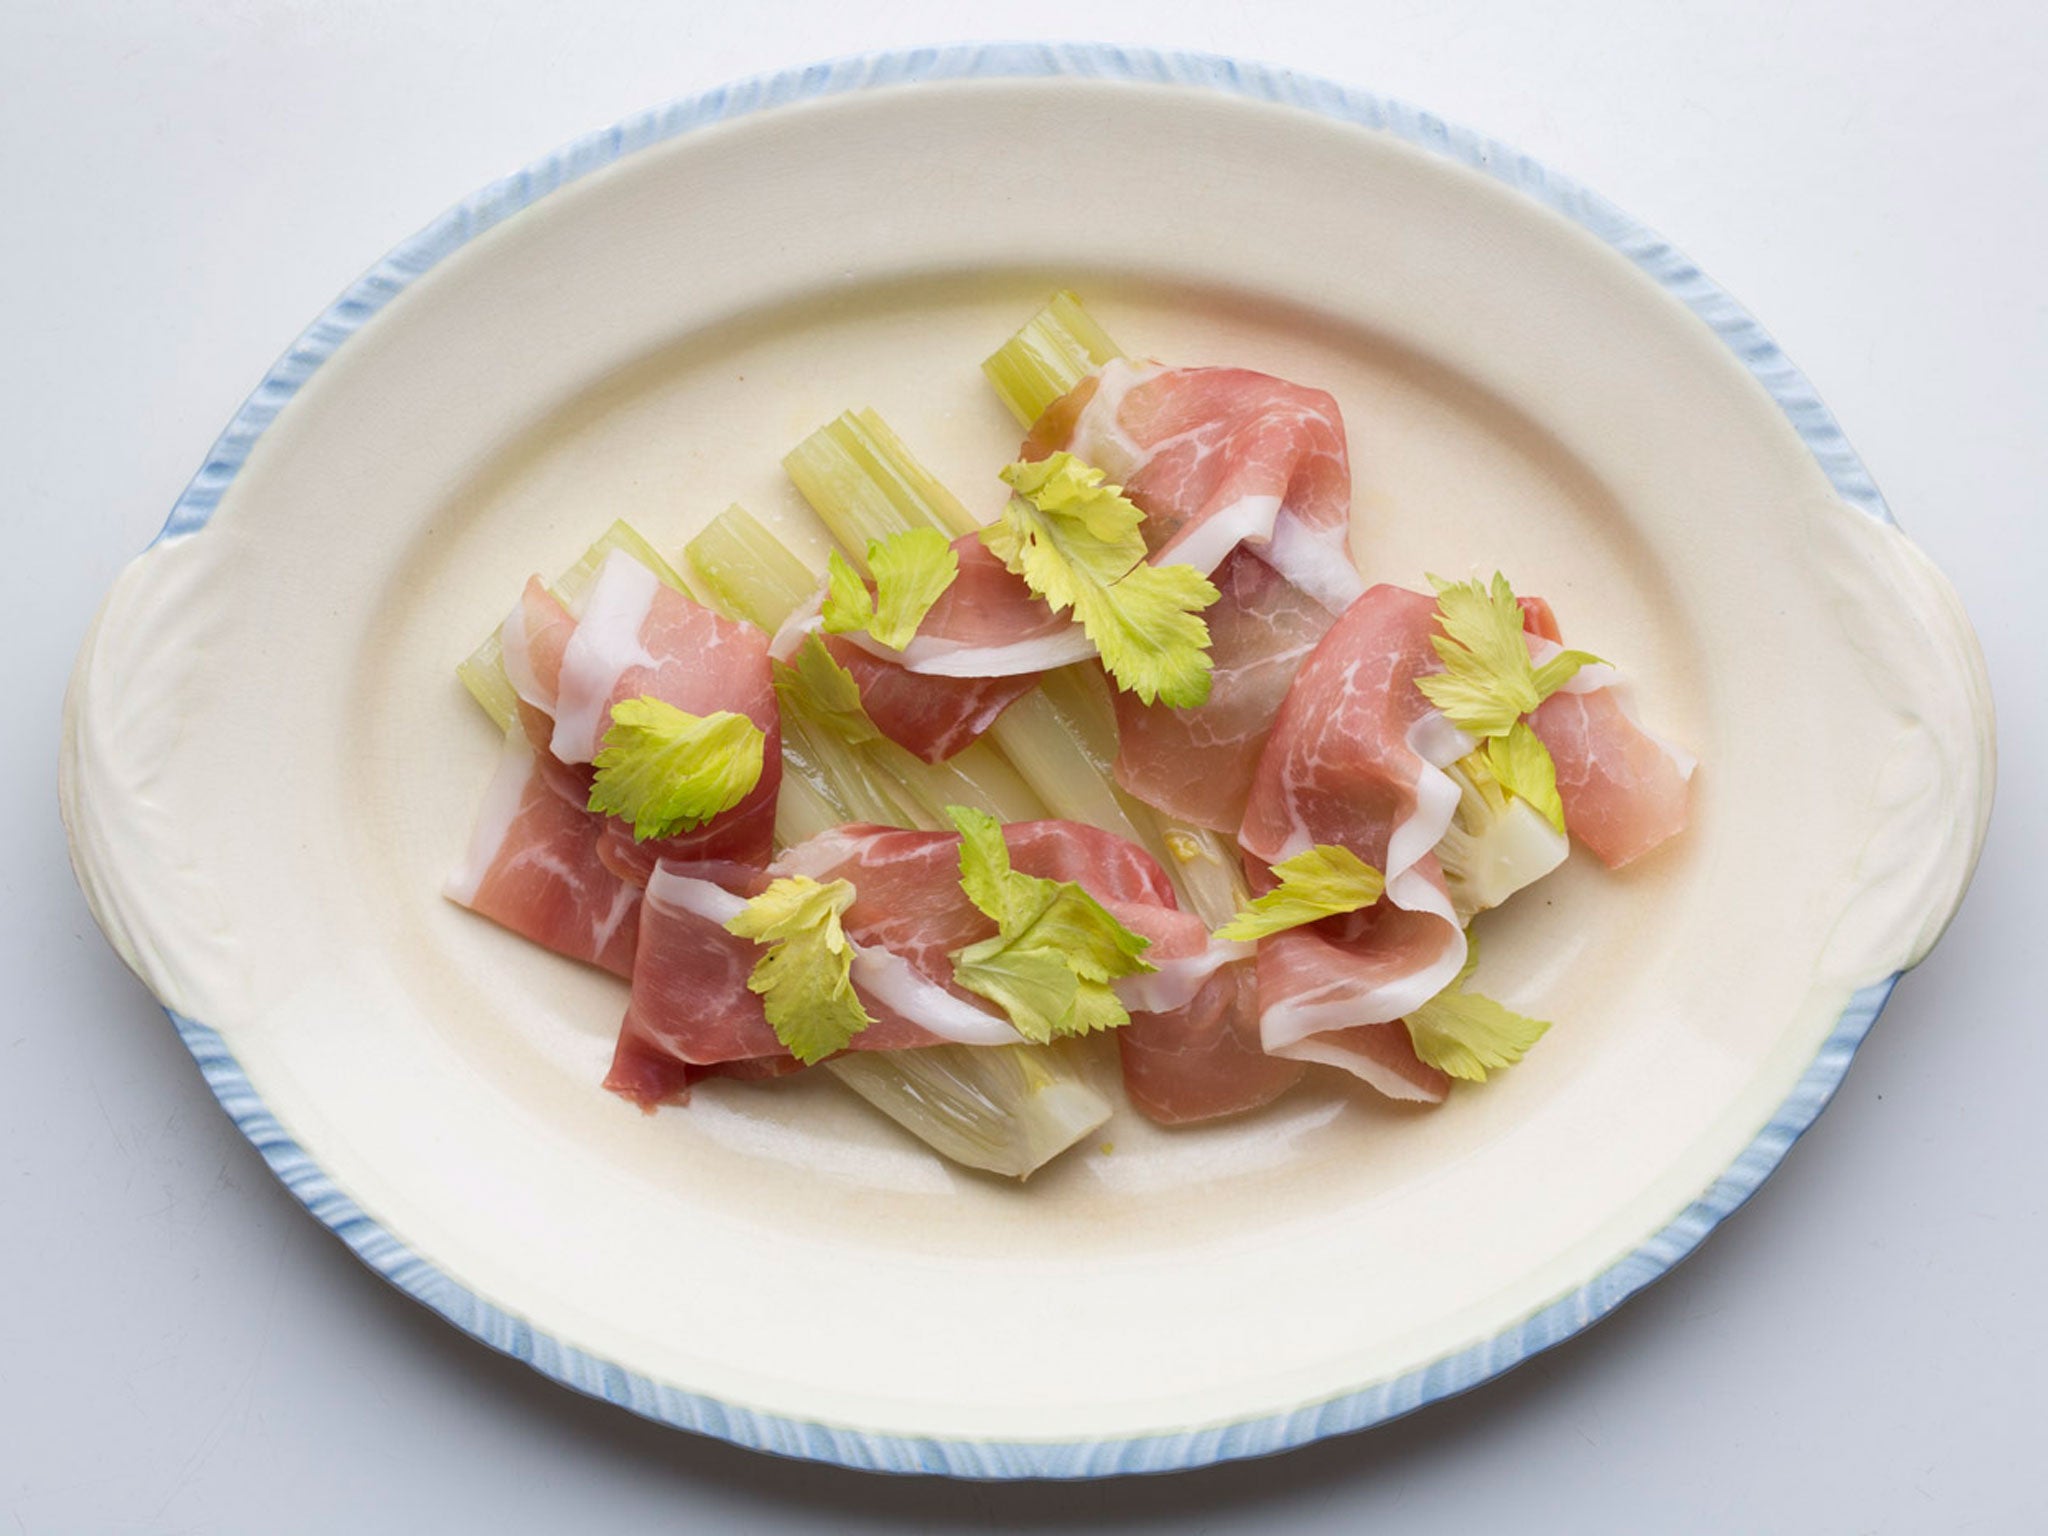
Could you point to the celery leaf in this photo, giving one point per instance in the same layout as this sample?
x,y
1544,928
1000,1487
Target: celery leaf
x,y
1075,541
1056,948
912,571
805,980
1322,882
668,771
912,568
1488,681
1467,1035
1524,767
816,686
848,603
1489,685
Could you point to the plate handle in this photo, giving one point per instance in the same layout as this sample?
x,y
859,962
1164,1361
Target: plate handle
x,y
125,711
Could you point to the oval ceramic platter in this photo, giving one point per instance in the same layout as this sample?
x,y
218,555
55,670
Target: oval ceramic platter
x,y
269,767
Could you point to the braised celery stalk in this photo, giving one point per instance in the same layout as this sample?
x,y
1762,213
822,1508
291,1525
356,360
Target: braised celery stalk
x,y
1009,1109
1496,843
483,671
749,570
1057,348
1006,1109
1069,719
861,480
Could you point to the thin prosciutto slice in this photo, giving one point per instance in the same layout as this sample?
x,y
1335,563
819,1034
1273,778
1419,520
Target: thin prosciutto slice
x,y
1196,764
691,1005
648,1076
1246,477
1624,791
1206,1060
1356,759
533,867
637,636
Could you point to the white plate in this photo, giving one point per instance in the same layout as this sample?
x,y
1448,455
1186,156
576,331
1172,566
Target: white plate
x,y
269,766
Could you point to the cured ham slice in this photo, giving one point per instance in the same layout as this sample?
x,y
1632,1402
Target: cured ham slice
x,y
1624,792
690,1002
1196,764
533,867
987,624
909,899
1357,752
690,999
1356,760
1335,992
1204,1061
637,636
1246,477
933,717
642,1072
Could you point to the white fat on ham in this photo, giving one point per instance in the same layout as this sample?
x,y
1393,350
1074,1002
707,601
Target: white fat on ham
x,y
1291,1025
502,799
1176,980
605,646
533,866
945,655
516,655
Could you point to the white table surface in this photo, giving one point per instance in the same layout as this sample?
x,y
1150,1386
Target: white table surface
x,y
183,1349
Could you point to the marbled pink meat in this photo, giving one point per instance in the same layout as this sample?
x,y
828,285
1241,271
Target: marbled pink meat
x,y
533,867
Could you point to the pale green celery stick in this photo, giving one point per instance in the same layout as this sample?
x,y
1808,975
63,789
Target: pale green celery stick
x,y
621,536
846,775
1009,1109
483,672
1057,348
977,775
803,808
863,482
749,570
1053,737
751,574
1208,871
